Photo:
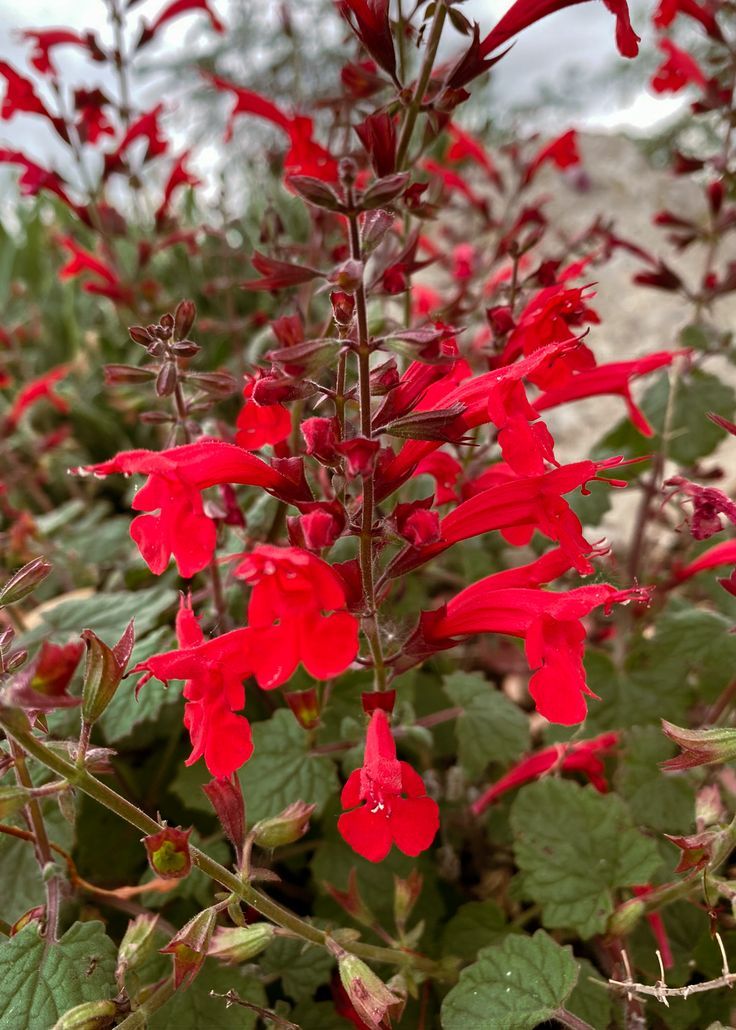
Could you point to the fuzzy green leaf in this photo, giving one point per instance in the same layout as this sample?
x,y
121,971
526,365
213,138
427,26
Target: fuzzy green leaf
x,y
513,986
282,770
575,847
39,984
490,729
195,1009
302,968
474,926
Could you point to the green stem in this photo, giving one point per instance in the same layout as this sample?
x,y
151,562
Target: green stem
x,y
412,113
267,907
137,1019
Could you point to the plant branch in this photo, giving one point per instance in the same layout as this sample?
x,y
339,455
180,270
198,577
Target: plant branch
x,y
415,105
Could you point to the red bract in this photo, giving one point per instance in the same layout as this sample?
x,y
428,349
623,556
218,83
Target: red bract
x,y
176,478
38,389
524,13
369,20
214,671
305,156
614,378
292,589
173,10
45,40
678,70
388,800
550,623
577,756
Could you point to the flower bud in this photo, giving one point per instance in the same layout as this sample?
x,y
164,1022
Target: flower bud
x,y
185,349
348,276
90,1015
699,747
374,699
14,660
285,828
406,895
316,192
351,900
315,530
184,317
343,307
384,378
136,945
103,671
190,945
241,944
305,707
33,915
226,797
361,454
218,384
320,436
125,375
167,379
139,334
368,994
7,635
168,852
383,191
417,523
625,917
25,581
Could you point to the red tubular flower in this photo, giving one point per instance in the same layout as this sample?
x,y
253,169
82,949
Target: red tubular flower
x,y
577,756
146,126
91,121
550,623
178,176
388,800
45,40
377,133
82,261
722,554
36,390
524,13
304,157
369,20
445,471
562,152
214,671
467,147
292,589
176,478
173,10
614,378
668,10
261,424
708,506
518,508
678,70
35,178
21,98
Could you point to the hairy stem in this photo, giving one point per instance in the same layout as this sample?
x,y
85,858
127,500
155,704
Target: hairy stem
x,y
263,904
415,105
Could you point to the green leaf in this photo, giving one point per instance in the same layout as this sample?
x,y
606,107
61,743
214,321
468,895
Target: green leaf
x,y
631,699
590,1001
513,986
21,886
195,1009
474,926
692,434
664,803
491,728
107,614
302,968
282,770
317,1015
575,847
39,984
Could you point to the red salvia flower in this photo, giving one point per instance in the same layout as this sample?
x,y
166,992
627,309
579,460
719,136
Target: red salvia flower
x,y
377,133
577,756
708,506
524,13
91,122
38,389
305,156
721,554
81,261
614,378
21,98
261,424
467,147
445,470
214,671
147,127
562,152
292,590
35,178
178,176
176,478
668,10
387,800
45,40
43,684
678,70
550,623
173,10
